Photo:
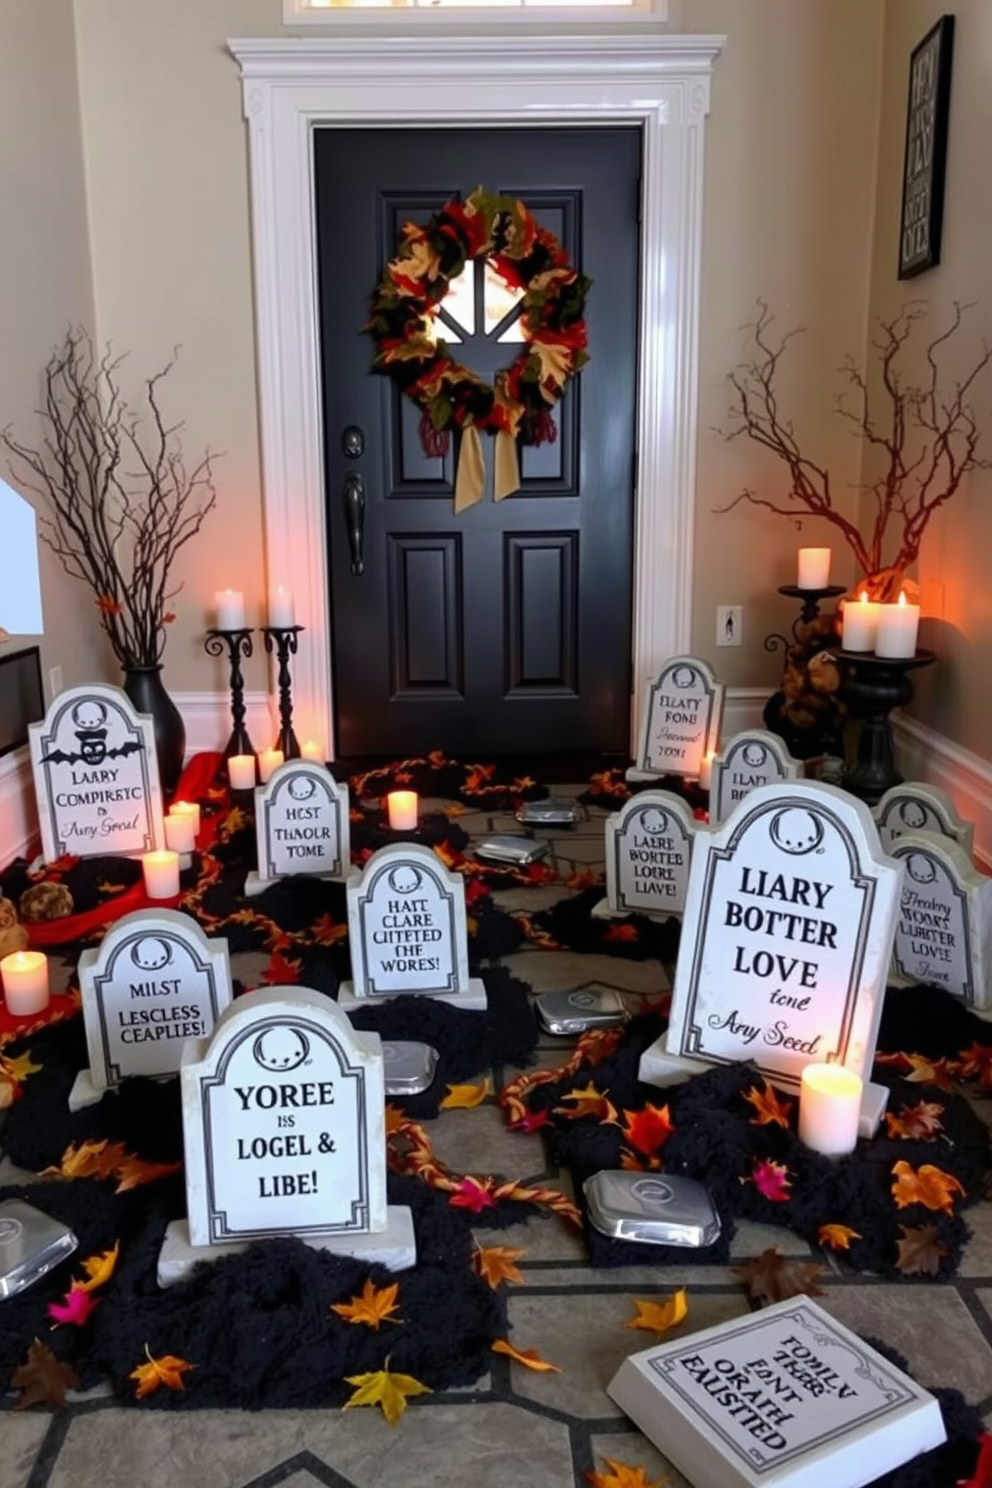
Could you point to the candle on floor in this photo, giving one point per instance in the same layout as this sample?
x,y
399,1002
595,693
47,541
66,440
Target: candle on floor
x,y
282,615
814,568
706,771
898,626
161,870
312,750
230,607
859,622
829,1108
190,809
25,982
269,761
241,771
402,808
180,833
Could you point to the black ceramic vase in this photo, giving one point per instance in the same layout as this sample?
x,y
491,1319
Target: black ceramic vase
x,y
146,691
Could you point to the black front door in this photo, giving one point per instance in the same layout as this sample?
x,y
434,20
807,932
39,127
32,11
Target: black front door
x,y
504,629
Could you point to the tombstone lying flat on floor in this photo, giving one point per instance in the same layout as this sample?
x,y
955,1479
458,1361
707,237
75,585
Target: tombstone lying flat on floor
x,y
752,758
680,722
284,1131
786,940
154,982
785,1398
944,934
301,826
407,931
914,807
648,851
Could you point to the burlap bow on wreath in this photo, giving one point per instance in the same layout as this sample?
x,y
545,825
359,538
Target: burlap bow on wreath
x,y
516,406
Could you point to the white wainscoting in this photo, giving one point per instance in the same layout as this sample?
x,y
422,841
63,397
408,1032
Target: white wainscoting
x,y
207,716
924,754
18,814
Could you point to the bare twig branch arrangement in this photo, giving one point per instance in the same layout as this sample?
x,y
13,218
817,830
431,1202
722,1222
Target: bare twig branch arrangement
x,y
923,435
117,500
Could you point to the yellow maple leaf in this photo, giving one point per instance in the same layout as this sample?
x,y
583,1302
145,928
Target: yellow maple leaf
x,y
372,1307
20,1067
588,1102
555,361
658,1317
622,1475
384,1388
99,1269
529,1358
457,810
837,1236
496,1263
465,1097
168,1370
926,1185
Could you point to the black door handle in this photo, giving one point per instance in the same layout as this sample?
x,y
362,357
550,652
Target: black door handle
x,y
353,494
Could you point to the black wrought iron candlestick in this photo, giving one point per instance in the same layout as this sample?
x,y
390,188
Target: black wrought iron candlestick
x,y
810,611
237,643
285,640
872,687
803,712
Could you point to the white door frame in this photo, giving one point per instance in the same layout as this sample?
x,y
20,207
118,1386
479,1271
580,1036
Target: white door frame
x,y
290,86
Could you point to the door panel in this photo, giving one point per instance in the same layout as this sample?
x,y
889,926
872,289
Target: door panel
x,y
507,628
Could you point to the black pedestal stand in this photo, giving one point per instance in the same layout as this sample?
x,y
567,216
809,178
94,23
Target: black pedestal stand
x,y
236,643
872,687
821,736
285,640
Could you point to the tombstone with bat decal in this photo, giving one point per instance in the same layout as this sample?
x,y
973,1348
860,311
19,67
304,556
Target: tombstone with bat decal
x,y
96,775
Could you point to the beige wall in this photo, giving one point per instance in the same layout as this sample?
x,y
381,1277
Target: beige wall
x,y
953,569
45,283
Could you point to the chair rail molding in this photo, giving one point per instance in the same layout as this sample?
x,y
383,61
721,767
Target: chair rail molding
x,y
293,85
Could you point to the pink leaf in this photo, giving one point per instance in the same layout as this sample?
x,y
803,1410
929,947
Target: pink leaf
x,y
76,1308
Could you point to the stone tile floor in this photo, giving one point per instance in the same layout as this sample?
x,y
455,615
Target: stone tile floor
x,y
513,1426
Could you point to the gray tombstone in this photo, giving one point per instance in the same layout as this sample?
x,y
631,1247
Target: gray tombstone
x,y
944,934
914,807
154,982
680,721
752,758
407,931
284,1130
301,824
96,775
648,851
787,938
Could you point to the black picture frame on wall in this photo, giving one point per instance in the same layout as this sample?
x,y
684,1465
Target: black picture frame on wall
x,y
925,156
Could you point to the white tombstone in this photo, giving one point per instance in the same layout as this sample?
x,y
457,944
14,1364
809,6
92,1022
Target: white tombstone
x,y
783,1398
752,758
154,982
407,931
302,825
648,851
284,1130
96,775
944,934
680,721
786,942
914,807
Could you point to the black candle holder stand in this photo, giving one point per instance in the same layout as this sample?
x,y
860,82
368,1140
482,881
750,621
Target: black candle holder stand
x,y
237,643
285,640
872,686
810,599
823,736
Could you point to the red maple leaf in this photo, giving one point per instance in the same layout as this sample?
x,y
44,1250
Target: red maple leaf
x,y
471,1194
771,1179
648,1130
976,1064
531,1121
475,890
279,970
620,931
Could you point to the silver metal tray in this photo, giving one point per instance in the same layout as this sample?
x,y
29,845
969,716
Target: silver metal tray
x,y
576,1012
31,1243
408,1066
509,849
555,811
654,1208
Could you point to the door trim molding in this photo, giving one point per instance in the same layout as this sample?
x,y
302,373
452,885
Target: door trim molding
x,y
291,85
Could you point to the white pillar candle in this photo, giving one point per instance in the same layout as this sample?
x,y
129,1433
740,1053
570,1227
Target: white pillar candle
x,y
281,612
705,772
25,982
814,568
829,1108
190,809
402,808
311,750
161,870
180,833
269,761
230,607
859,622
241,771
898,626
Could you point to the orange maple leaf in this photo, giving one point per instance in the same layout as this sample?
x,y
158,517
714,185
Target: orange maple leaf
x,y
466,1097
168,1370
326,931
768,1108
384,1388
133,1172
837,1236
588,1102
99,1269
976,1064
923,1071
394,1119
529,1358
280,970
648,1130
926,1185
658,1317
107,605
497,1263
619,931
915,1123
631,1163
582,878
622,1475
372,1307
